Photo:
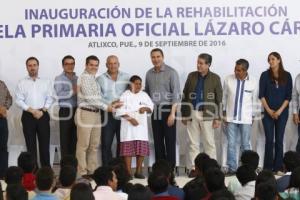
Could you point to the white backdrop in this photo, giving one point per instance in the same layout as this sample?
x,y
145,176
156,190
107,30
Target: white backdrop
x,y
273,27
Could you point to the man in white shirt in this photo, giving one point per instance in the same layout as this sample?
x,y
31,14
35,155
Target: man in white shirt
x,y
239,101
34,96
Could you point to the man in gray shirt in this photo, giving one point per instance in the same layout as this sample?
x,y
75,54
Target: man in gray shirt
x,y
162,85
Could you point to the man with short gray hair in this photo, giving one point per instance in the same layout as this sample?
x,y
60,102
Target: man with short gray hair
x,y
112,84
200,109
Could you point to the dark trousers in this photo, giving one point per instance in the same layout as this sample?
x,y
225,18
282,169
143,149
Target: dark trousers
x,y
68,134
272,126
110,129
298,143
3,146
41,128
164,136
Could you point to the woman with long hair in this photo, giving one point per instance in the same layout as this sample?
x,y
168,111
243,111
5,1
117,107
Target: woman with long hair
x,y
275,91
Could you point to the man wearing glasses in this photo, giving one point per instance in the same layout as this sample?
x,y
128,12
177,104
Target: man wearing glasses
x,y
66,93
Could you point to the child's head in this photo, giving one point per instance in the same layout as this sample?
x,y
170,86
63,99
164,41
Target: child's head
x,y
245,174
26,162
266,191
158,182
135,84
16,192
67,176
214,179
44,179
81,191
105,176
295,178
13,175
250,158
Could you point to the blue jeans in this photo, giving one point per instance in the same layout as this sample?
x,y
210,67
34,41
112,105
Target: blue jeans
x,y
109,130
233,130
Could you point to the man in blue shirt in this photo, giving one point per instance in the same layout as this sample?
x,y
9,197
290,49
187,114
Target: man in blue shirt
x,y
66,93
112,84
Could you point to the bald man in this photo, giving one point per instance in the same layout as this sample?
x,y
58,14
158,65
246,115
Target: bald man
x,y
112,84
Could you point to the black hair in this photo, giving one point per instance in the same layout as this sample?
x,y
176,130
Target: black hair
x,y
157,50
291,160
102,175
13,175
81,191
251,158
245,174
200,160
89,58
214,179
208,164
16,192
67,57
266,191
265,176
32,58
243,62
139,192
206,57
119,167
157,182
295,178
44,178
27,162
164,166
134,78
67,176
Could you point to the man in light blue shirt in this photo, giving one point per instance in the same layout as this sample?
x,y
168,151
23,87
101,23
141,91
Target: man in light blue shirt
x,y
65,87
112,84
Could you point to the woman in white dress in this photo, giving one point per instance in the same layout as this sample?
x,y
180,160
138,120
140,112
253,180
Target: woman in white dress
x,y
134,129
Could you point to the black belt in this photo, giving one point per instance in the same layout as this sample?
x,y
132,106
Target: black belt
x,y
96,110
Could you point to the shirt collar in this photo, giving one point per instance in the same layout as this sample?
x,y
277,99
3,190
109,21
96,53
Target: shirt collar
x,y
246,78
30,78
200,75
108,75
65,74
89,74
162,194
251,183
105,187
162,68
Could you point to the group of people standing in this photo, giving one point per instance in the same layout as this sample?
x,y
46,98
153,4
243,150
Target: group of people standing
x,y
93,110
